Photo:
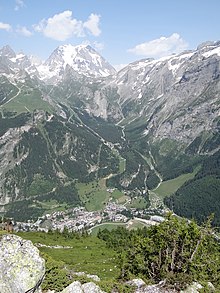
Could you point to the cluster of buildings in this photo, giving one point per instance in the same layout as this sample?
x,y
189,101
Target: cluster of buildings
x,y
75,219
79,219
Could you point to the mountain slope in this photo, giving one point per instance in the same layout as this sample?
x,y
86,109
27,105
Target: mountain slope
x,y
167,93
43,156
199,198
154,120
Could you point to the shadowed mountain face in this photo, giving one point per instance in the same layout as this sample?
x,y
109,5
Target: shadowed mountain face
x,y
73,118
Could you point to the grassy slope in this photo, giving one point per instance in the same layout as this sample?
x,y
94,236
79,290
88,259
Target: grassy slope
x,y
132,224
28,102
94,194
88,254
168,187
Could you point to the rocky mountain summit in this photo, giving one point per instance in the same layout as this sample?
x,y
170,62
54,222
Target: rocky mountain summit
x,y
82,60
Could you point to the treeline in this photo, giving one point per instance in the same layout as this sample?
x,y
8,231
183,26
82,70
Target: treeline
x,y
200,197
178,251
171,161
12,122
30,209
109,131
135,164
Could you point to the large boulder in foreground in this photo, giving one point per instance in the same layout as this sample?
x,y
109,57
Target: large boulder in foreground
x,y
21,267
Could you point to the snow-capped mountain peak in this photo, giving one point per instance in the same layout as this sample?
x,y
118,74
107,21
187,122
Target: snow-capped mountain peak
x,y
82,58
7,51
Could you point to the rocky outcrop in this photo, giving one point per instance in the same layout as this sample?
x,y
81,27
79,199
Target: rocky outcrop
x,y
77,287
141,287
22,268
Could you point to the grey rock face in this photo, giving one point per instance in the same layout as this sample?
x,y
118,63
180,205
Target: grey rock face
x,y
176,96
21,267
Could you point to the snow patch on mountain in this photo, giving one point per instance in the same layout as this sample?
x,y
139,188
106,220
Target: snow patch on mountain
x,y
83,59
17,57
215,51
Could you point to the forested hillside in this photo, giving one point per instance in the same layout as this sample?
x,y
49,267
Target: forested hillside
x,y
200,197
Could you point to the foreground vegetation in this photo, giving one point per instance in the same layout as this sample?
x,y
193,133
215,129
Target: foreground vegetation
x,y
177,251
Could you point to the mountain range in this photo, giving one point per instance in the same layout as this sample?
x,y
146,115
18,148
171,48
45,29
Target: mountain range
x,y
73,120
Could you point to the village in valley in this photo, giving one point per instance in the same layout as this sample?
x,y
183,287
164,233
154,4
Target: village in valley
x,y
78,219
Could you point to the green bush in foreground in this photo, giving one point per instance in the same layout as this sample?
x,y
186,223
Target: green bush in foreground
x,y
56,277
178,251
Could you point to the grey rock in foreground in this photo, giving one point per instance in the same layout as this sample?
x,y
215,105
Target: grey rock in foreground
x,y
77,287
21,267
141,287
159,288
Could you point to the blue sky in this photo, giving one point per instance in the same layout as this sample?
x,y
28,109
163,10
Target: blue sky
x,y
121,30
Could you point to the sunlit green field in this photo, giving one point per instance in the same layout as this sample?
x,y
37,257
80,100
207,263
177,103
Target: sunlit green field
x,y
94,195
25,102
170,186
132,224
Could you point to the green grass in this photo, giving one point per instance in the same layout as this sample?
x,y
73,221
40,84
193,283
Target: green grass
x,y
52,206
109,226
88,254
118,195
122,161
122,165
3,232
122,199
138,203
137,225
93,194
170,186
96,201
132,224
28,102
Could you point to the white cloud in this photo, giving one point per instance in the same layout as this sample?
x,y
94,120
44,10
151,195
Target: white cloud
x,y
63,26
60,27
98,46
19,4
161,47
92,24
22,30
5,26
